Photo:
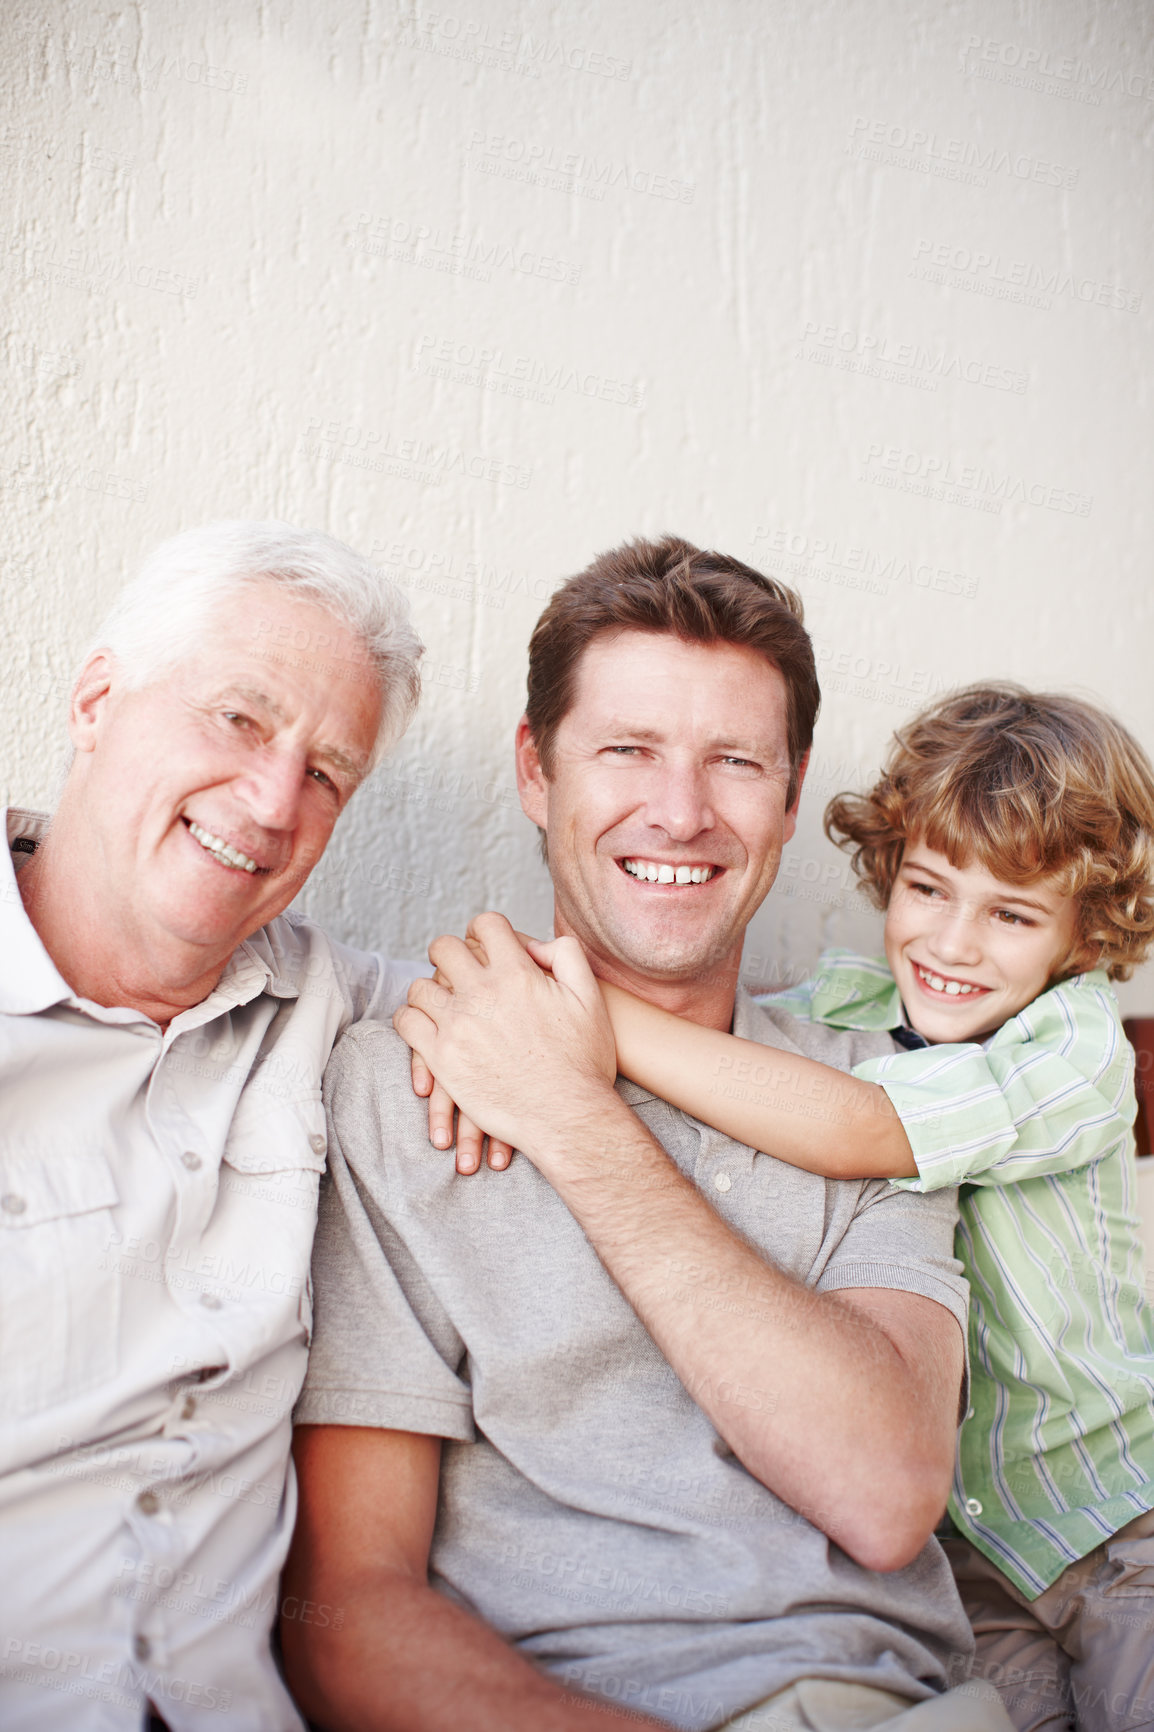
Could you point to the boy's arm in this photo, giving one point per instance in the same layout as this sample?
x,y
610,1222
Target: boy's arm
x,y
754,1093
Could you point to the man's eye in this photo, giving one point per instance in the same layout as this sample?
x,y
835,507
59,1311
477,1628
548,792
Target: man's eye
x,y
622,751
323,778
235,716
741,763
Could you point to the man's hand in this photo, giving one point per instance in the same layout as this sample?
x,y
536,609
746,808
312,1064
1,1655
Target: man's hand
x,y
525,1050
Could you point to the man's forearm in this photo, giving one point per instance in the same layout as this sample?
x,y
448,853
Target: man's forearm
x,y
404,1656
812,1396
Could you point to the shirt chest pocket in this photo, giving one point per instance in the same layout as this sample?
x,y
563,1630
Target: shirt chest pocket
x,y
270,1174
59,1283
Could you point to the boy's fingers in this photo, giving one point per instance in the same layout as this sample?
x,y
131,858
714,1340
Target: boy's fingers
x,y
422,1076
500,1154
567,962
469,1141
495,935
452,958
440,1117
413,1026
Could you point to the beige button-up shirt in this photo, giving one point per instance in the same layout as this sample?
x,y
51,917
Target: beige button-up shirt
x,y
157,1205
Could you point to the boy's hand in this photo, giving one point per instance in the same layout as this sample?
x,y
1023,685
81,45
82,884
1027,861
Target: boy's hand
x,y
470,1137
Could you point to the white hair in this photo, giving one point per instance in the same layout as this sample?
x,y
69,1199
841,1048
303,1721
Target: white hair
x,y
183,583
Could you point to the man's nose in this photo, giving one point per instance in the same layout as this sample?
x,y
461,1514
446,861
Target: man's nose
x,y
271,788
679,802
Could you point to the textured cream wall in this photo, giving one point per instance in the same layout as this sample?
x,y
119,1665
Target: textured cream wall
x,y
859,292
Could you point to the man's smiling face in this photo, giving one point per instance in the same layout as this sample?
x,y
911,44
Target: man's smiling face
x,y
213,790
665,810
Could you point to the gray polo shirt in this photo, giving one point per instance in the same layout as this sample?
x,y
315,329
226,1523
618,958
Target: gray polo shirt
x,y
589,1511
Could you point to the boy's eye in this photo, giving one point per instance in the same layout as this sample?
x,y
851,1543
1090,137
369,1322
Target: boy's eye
x,y
1007,917
924,889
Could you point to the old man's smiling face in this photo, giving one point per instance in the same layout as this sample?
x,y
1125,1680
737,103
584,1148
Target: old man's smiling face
x,y
666,810
213,790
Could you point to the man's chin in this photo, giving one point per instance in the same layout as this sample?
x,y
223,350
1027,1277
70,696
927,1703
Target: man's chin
x,y
671,960
209,926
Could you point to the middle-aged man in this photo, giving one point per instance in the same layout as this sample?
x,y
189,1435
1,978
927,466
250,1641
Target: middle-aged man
x,y
635,1427
163,1029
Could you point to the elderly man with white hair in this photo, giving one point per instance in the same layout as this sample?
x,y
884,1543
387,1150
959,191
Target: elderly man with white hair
x,y
163,1030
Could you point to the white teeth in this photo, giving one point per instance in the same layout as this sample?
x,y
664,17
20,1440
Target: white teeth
x,y
650,871
220,849
954,988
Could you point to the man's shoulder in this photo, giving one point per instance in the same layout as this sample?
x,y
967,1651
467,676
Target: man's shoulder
x,y
368,1079
301,956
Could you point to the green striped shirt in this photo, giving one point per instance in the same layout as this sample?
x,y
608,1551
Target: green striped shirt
x,y
1057,1450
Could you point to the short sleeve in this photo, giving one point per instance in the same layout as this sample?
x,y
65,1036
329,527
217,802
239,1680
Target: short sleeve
x,y
1053,1090
384,1351
904,1243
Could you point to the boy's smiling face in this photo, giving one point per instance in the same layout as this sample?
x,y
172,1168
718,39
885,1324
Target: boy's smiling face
x,y
969,951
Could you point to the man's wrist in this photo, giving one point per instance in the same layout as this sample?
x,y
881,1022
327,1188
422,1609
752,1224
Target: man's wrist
x,y
580,1131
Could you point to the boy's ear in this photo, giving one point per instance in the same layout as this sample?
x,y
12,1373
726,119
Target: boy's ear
x,y
1083,955
532,782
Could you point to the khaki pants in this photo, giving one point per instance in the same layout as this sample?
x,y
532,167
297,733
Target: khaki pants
x,y
826,1705
1082,1654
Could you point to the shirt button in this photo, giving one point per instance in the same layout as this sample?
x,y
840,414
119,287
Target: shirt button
x,y
141,1647
210,1301
190,1159
721,1181
148,1503
12,1204
973,1506
317,1143
188,1407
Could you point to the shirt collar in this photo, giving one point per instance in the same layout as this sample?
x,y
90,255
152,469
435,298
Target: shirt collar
x,y
856,992
31,982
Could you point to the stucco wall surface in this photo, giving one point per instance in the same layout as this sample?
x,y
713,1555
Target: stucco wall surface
x,y
861,293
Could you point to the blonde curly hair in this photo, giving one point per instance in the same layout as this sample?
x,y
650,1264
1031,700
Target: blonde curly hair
x,y
1029,785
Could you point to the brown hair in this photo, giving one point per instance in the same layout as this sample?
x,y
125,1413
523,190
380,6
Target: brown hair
x,y
1030,785
671,586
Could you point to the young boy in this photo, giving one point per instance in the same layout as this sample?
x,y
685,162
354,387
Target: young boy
x,y
1010,841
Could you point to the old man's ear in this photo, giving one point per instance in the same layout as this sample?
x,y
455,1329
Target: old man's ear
x,y
93,685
